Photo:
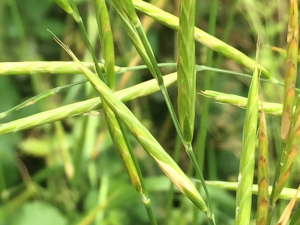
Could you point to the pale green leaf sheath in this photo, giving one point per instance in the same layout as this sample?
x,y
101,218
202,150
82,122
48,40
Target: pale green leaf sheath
x,y
247,161
186,80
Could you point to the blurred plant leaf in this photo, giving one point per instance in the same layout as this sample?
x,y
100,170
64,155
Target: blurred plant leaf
x,y
37,213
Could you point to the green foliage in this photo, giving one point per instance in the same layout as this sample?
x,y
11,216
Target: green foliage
x,y
36,213
98,151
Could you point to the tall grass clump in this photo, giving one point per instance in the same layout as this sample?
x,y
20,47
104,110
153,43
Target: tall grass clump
x,y
129,130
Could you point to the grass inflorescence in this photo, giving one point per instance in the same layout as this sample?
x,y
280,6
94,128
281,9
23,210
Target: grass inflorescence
x,y
90,145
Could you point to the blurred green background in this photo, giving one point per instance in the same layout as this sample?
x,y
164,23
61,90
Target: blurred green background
x,y
37,183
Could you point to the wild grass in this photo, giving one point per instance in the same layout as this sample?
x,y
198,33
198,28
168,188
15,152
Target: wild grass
x,y
91,146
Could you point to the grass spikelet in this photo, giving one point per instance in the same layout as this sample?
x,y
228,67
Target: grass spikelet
x,y
288,125
290,151
64,4
284,219
286,194
83,107
202,37
106,39
136,32
39,67
241,102
282,52
115,125
263,172
186,80
291,70
144,137
247,161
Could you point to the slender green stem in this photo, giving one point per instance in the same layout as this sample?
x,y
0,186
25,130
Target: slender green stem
x,y
136,32
279,164
108,111
79,108
79,153
58,67
191,155
286,194
201,140
2,179
207,85
171,188
36,178
39,97
295,220
144,194
204,38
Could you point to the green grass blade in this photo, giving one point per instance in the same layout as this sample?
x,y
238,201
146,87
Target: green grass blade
x,y
247,161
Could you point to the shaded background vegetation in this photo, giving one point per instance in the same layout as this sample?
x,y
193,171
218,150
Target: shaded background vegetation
x,y
37,153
